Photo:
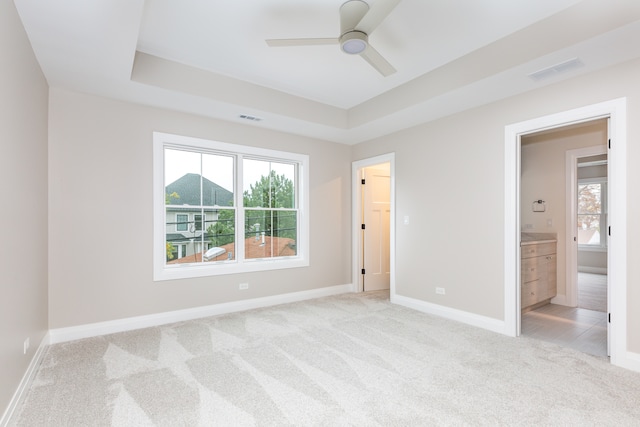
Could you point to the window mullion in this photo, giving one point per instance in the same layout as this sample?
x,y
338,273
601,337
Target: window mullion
x,y
240,217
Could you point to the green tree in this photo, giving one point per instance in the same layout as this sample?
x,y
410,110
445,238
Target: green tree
x,y
272,193
168,197
170,250
222,231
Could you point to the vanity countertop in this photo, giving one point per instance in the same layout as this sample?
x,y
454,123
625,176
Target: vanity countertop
x,y
535,238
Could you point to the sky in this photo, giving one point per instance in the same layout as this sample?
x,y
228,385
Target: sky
x,y
219,168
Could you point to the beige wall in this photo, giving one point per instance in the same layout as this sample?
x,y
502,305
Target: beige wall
x,y
450,180
23,173
100,161
543,177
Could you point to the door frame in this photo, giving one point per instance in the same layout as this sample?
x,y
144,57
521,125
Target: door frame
x,y
356,215
616,111
572,156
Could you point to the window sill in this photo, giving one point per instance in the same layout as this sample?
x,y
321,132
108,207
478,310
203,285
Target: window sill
x,y
584,248
194,271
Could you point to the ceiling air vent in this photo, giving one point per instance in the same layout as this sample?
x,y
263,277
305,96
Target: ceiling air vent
x,y
554,70
251,118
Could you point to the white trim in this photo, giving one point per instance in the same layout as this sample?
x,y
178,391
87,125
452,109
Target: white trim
x,y
472,319
630,361
139,322
239,265
617,255
356,209
25,383
571,221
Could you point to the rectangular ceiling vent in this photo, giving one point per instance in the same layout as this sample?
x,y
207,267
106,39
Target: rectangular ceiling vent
x,y
554,70
251,118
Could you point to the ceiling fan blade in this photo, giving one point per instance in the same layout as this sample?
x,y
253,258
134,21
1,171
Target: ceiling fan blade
x,y
377,61
375,15
301,42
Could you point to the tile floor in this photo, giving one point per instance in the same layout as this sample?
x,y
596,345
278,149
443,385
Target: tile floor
x,y
582,329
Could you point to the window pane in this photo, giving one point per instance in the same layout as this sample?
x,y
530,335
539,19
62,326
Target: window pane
x,y
270,233
217,183
589,229
220,235
589,198
268,184
285,226
255,178
182,177
283,179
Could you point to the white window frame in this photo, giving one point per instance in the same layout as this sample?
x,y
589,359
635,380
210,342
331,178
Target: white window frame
x,y
239,265
604,217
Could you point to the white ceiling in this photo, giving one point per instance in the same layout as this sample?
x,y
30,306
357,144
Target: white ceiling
x,y
210,57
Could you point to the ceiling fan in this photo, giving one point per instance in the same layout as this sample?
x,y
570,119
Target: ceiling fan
x,y
357,22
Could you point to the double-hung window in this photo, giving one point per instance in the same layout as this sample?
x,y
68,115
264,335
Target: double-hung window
x,y
223,208
592,214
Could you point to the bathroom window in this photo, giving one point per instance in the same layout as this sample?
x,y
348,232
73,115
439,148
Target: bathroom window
x,y
592,213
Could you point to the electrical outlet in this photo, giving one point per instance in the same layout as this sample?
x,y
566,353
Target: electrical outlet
x,y
440,291
26,345
528,226
243,286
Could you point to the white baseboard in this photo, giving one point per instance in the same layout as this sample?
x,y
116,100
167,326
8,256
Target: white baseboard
x,y
592,270
139,322
27,378
560,300
629,360
476,320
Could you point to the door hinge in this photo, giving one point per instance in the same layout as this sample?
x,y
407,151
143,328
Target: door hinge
x,y
363,226
609,317
609,143
362,181
609,230
363,271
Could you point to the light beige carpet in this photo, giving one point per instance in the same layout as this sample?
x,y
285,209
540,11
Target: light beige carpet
x,y
353,359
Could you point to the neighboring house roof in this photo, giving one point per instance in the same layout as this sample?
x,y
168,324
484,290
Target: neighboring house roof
x,y
182,238
188,188
282,246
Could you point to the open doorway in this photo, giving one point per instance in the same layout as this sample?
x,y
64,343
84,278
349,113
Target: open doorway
x,y
373,219
615,111
563,300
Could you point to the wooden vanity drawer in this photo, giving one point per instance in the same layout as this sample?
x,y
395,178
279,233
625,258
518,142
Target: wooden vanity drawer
x,y
530,251
529,293
529,270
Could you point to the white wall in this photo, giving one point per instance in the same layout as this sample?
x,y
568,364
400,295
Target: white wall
x,y
450,180
100,161
544,177
23,173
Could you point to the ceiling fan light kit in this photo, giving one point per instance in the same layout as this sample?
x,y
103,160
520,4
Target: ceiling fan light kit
x,y
357,22
353,42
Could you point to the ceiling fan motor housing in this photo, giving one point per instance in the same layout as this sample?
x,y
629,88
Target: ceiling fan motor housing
x,y
352,41
351,13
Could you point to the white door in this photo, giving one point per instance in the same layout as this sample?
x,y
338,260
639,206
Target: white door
x,y
376,215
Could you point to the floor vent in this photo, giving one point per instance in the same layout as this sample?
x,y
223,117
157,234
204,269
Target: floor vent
x,y
554,70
